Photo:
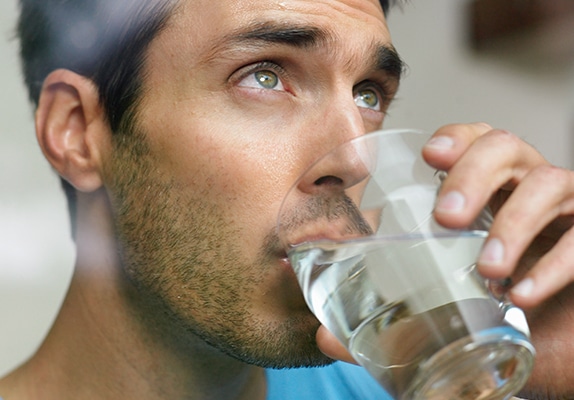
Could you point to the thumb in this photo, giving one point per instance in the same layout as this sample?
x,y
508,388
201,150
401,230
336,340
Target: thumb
x,y
331,347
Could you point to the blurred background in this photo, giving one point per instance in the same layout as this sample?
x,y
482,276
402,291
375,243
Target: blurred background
x,y
508,63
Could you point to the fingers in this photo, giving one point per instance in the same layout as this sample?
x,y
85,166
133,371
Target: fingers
x,y
449,143
526,226
543,195
551,274
331,347
529,228
479,163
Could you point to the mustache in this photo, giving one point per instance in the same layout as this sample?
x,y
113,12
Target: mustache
x,y
315,215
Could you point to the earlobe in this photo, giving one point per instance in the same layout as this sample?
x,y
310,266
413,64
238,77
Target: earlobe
x,y
71,128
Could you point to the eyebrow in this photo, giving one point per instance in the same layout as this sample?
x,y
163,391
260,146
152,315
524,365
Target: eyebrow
x,y
385,57
288,34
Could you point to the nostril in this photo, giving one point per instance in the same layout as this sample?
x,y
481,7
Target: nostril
x,y
328,180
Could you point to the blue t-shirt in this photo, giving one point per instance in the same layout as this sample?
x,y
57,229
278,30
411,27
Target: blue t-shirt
x,y
339,381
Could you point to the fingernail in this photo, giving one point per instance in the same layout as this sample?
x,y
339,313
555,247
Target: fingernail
x,y
483,125
440,143
524,288
492,252
452,202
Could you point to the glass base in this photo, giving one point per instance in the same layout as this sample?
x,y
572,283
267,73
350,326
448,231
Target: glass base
x,y
490,365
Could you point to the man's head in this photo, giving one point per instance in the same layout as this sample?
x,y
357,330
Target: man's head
x,y
209,112
104,40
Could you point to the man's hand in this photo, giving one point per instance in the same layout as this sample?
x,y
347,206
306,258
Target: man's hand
x,y
531,239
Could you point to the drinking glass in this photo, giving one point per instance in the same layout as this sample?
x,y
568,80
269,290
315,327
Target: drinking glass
x,y
400,291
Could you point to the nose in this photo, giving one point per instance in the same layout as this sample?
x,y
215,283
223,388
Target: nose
x,y
341,169
340,164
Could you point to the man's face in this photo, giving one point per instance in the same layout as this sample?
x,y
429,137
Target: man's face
x,y
240,96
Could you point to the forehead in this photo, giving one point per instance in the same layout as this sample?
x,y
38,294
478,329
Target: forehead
x,y
242,9
205,41
203,22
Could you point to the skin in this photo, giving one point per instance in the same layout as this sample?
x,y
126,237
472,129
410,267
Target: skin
x,y
532,201
180,289
180,284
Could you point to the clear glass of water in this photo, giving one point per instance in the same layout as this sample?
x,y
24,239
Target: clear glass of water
x,y
398,290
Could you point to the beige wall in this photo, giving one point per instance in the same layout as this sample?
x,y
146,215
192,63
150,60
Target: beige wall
x,y
448,83
35,253
445,84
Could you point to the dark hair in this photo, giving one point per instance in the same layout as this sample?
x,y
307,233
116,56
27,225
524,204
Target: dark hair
x,y
104,40
386,5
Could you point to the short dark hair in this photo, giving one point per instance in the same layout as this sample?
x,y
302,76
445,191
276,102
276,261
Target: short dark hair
x,y
103,40
386,4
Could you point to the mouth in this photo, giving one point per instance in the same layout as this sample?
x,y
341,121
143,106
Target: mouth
x,y
280,254
305,238
286,264
290,287
322,217
332,235
325,228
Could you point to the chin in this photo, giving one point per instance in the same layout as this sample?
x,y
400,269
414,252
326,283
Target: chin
x,y
290,343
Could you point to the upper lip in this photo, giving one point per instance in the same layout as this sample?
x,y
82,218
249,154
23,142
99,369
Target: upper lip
x,y
282,253
310,232
313,238
317,238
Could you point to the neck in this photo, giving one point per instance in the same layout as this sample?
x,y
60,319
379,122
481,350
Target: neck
x,y
105,345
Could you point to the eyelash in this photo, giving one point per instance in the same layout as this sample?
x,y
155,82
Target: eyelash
x,y
382,88
263,66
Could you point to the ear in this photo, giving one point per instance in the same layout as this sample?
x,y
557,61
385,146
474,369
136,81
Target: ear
x,y
72,129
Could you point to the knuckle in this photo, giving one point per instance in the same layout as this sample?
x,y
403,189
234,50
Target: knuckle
x,y
512,146
505,138
469,130
483,126
448,130
558,178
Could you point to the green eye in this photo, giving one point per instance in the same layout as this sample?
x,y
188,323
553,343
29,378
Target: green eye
x,y
367,98
267,79
265,75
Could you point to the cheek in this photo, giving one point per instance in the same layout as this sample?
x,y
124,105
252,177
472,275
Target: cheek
x,y
251,184
244,167
245,180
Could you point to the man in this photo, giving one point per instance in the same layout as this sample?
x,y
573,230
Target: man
x,y
177,127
